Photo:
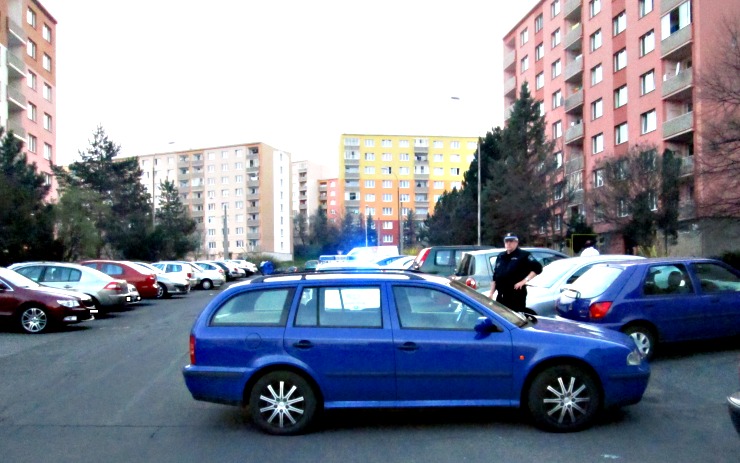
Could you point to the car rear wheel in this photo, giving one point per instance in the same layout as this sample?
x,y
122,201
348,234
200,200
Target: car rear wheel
x,y
282,403
563,398
34,320
206,284
161,291
644,339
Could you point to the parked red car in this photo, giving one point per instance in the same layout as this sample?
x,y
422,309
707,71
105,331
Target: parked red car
x,y
35,308
144,279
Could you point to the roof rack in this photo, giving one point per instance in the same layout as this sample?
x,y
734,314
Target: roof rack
x,y
328,274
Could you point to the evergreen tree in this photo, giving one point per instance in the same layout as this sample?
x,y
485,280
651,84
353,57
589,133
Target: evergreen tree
x,y
669,198
75,224
26,220
300,228
174,225
372,233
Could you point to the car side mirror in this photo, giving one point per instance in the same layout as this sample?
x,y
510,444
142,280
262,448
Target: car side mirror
x,y
485,326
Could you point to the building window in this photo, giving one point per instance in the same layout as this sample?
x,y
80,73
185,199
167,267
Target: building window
x,y
620,96
387,184
403,171
31,80
31,48
596,40
540,105
620,23
538,23
597,74
645,7
647,43
676,20
454,171
370,183
597,143
369,143
597,109
47,122
438,185
555,38
598,178
369,169
575,181
647,82
46,33
47,151
47,92
387,157
556,68
369,156
620,134
539,80
594,7
387,211
438,158
558,159
31,17
620,60
557,99
524,36
403,157
539,52
557,130
525,63
554,8
370,197
652,201
386,143
387,198
31,111
648,121
46,63
31,143
623,208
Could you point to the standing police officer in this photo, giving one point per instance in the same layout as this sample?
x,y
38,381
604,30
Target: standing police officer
x,y
513,270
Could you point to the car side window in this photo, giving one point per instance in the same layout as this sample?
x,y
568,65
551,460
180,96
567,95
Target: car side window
x,y
112,269
33,273
714,278
426,308
667,279
443,257
255,308
353,307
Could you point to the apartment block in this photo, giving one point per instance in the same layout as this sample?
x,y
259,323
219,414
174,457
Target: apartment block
x,y
239,195
387,176
611,75
305,192
331,198
28,74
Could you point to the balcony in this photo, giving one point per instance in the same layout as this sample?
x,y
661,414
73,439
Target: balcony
x,y
16,35
253,183
679,86
253,197
253,235
510,86
352,203
352,175
17,129
574,70
16,66
677,46
686,210
687,166
574,135
253,223
572,10
574,164
253,210
352,161
16,99
507,112
574,102
679,128
668,5
509,60
574,39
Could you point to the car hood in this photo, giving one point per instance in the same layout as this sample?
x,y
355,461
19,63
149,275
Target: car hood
x,y
581,330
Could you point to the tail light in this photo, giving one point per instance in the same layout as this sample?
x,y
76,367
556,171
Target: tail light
x,y
190,275
423,256
192,349
151,278
114,286
471,283
599,309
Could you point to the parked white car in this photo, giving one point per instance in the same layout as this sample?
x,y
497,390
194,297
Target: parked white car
x,y
209,277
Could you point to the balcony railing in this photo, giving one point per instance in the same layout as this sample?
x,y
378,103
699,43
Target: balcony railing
x,y
668,5
573,38
574,101
572,10
574,69
678,83
574,133
510,85
509,59
574,164
676,45
678,125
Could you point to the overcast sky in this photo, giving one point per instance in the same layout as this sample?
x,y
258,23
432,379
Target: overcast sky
x,y
164,75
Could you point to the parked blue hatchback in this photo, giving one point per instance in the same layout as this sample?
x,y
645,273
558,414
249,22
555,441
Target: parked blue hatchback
x,y
290,346
657,300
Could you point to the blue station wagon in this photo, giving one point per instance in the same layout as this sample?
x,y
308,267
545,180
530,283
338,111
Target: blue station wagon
x,y
288,347
657,300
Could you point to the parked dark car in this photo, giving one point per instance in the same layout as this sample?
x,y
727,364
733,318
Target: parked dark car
x,y
38,309
143,278
442,260
288,346
657,300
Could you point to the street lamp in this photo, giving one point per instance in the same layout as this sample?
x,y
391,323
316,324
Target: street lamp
x,y
479,162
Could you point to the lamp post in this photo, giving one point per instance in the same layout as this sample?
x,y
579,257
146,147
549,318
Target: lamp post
x,y
479,162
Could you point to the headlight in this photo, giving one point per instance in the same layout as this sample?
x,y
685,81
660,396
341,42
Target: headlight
x,y
634,357
68,303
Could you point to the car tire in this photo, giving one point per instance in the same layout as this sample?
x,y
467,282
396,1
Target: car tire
x,y
282,403
564,398
206,284
644,339
161,291
34,320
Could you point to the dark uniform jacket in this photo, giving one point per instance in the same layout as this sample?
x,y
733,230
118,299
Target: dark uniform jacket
x,y
511,269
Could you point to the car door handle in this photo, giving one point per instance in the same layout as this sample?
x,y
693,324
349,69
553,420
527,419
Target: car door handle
x,y
303,344
408,346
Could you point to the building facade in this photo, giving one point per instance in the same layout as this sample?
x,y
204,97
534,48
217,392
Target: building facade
x,y
613,75
239,196
387,176
331,198
28,74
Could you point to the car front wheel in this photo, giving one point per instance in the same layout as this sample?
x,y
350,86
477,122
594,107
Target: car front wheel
x,y
563,399
206,284
644,339
282,403
34,320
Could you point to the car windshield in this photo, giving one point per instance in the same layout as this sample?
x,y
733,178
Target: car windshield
x,y
552,272
17,279
510,315
595,280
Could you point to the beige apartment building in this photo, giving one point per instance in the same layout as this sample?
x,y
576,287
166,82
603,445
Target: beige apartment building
x,y
239,196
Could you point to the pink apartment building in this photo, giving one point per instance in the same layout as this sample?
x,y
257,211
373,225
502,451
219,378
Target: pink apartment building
x,y
611,75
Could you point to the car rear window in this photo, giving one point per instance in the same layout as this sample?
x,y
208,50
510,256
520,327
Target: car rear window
x,y
255,308
595,281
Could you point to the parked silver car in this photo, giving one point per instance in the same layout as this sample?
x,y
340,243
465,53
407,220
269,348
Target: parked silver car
x,y
107,293
183,269
208,275
169,284
544,289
